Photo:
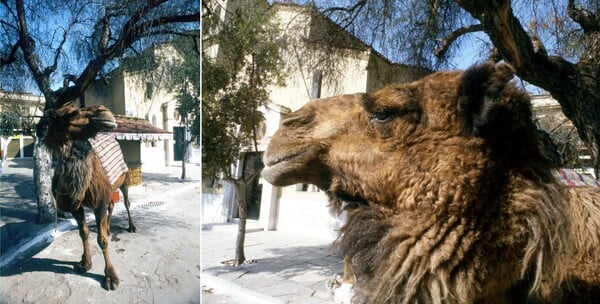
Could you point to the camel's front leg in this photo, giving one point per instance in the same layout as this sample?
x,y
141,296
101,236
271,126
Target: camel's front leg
x,y
86,261
111,280
344,294
111,206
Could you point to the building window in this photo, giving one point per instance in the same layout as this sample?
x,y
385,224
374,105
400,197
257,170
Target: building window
x,y
149,90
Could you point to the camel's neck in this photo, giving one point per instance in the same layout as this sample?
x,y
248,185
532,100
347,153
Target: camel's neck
x,y
73,173
75,150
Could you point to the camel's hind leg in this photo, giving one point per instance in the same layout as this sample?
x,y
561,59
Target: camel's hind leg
x,y
111,279
125,189
86,262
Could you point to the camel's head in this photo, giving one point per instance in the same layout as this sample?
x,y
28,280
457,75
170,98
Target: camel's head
x,y
71,123
354,146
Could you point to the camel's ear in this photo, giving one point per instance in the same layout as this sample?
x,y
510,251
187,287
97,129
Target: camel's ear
x,y
481,94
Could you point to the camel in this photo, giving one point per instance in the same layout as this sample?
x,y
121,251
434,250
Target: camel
x,y
80,180
448,197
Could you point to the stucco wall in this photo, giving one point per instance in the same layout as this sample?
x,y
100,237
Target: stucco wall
x,y
305,212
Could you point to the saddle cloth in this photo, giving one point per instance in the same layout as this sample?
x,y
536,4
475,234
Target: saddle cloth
x,y
109,152
575,179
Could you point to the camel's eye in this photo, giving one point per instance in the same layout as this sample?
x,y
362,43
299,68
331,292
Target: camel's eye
x,y
382,116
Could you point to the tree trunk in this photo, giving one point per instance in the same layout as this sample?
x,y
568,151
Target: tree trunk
x,y
184,159
587,104
575,86
43,184
240,188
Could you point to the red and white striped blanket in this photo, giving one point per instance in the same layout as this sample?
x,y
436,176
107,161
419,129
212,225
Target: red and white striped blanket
x,y
573,178
109,152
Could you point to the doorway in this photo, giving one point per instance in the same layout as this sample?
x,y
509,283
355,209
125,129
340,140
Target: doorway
x,y
251,162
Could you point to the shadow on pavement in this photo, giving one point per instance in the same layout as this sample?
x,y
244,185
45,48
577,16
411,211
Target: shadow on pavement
x,y
18,218
21,163
165,178
21,184
289,263
48,265
12,233
24,190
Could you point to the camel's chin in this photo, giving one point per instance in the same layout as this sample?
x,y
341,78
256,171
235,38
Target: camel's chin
x,y
105,124
287,173
280,174
293,165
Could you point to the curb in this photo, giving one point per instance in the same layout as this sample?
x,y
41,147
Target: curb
x,y
46,236
53,231
227,288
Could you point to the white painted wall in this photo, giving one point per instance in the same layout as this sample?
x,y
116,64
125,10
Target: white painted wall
x,y
285,208
216,205
305,212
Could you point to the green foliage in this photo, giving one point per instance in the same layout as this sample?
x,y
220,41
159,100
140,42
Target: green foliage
x,y
9,122
185,83
236,83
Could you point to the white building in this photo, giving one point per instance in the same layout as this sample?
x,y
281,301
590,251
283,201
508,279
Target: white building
x,y
358,69
28,108
134,92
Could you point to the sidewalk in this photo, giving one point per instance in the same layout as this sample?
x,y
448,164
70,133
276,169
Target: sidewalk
x,y
157,264
18,208
284,267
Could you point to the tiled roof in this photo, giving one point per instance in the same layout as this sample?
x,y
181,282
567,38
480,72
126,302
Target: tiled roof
x,y
133,128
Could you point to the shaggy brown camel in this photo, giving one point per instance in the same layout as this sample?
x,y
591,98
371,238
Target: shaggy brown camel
x,y
80,180
449,199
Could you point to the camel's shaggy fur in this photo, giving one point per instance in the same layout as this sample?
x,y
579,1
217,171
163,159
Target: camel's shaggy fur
x,y
449,198
79,179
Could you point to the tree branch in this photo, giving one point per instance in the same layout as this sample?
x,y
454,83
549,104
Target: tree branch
x,y
105,35
446,42
132,31
27,46
12,55
551,73
352,11
589,21
49,70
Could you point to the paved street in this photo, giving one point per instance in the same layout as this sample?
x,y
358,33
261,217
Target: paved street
x,y
287,267
158,264
168,260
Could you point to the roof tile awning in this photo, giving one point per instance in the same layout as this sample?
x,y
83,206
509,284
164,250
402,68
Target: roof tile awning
x,y
133,128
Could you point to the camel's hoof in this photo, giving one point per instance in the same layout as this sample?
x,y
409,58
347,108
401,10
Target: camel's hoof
x,y
110,282
83,266
132,229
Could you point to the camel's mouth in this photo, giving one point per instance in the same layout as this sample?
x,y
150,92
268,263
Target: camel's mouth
x,y
279,170
297,166
106,123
